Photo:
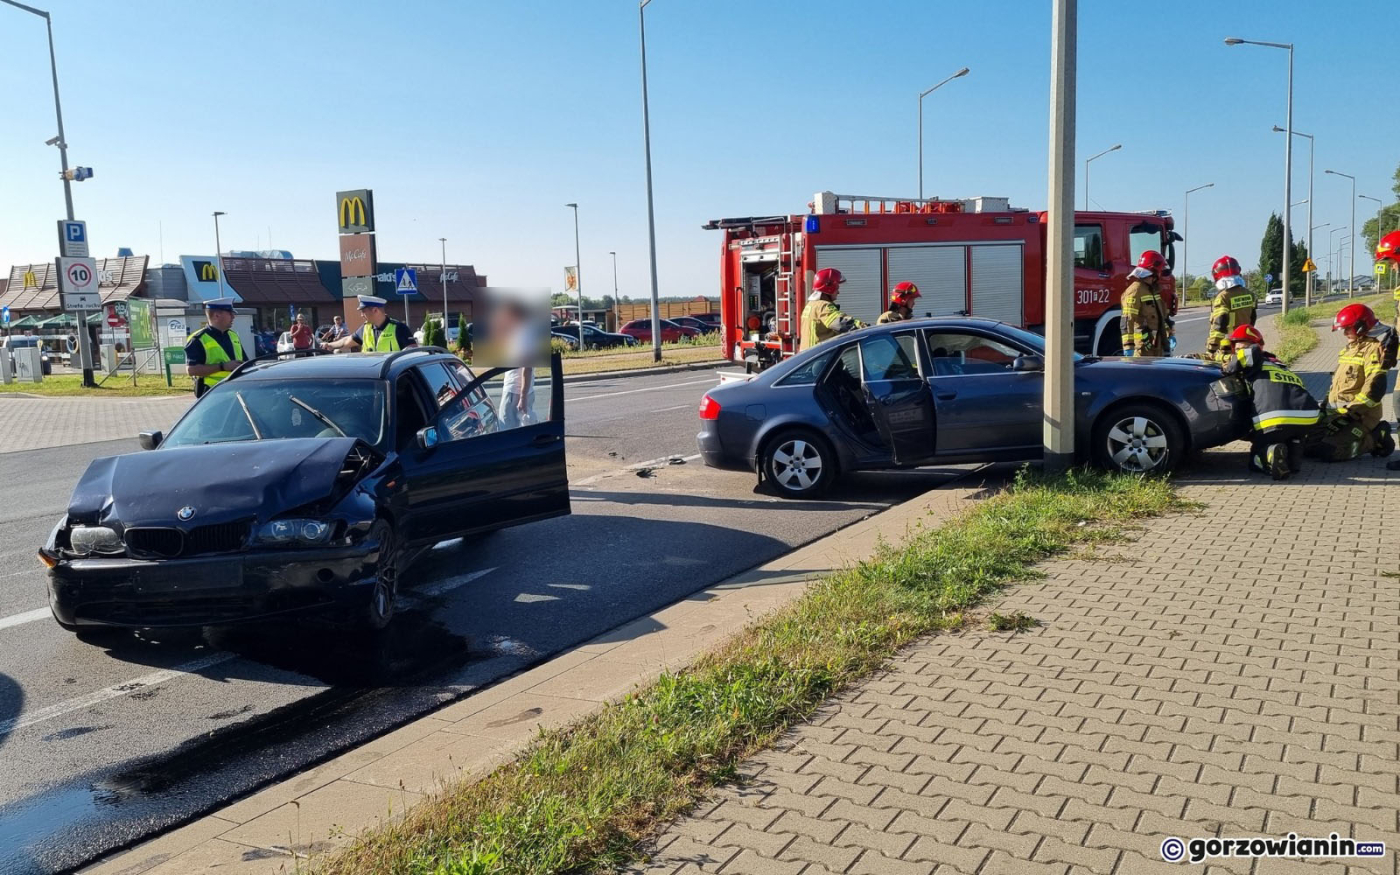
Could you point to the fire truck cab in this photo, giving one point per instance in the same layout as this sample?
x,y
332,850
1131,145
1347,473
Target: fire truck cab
x,y
978,256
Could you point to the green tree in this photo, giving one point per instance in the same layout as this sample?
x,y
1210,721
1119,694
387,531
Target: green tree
x,y
433,334
463,340
1389,219
1271,255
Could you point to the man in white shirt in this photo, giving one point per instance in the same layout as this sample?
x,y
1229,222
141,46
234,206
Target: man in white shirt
x,y
518,387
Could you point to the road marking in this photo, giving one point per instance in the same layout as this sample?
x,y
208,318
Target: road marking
x,y
712,381
1192,319
677,407
662,462
451,583
26,617
115,691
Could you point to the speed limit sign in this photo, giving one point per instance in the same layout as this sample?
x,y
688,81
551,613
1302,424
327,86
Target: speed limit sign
x,y
77,283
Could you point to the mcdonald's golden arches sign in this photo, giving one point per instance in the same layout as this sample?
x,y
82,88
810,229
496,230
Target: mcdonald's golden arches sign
x,y
355,211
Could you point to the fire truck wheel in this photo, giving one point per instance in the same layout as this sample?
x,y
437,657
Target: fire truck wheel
x,y
1138,439
799,463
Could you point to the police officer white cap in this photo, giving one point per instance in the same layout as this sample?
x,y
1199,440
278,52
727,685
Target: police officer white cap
x,y
225,304
370,301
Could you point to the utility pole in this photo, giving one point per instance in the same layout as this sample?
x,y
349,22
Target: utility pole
x,y
651,211
1351,274
617,311
578,277
1058,432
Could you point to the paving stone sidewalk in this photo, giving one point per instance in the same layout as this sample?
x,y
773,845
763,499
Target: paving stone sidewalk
x,y
1234,672
40,423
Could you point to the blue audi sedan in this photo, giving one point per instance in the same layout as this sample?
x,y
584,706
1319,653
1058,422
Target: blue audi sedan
x,y
954,390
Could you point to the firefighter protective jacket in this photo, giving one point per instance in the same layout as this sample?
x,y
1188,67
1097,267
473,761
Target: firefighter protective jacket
x,y
1279,397
890,316
823,320
1359,383
1231,308
1144,321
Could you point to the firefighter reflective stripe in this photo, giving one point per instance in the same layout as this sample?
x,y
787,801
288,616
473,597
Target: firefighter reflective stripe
x,y
1143,322
823,320
1230,309
214,354
1359,382
1276,418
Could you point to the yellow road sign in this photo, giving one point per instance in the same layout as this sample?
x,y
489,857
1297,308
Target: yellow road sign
x,y
1380,267
1308,266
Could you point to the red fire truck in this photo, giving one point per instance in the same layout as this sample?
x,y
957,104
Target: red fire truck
x,y
979,257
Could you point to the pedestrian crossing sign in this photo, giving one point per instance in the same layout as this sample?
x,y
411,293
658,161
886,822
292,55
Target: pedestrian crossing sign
x,y
1380,268
1308,266
406,281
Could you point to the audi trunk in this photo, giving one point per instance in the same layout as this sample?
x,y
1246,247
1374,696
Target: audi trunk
x,y
978,257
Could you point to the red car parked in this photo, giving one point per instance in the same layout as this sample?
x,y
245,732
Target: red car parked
x,y
670,331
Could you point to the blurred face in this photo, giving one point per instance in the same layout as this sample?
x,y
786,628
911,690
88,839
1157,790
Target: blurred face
x,y
337,320
220,319
301,320
1351,332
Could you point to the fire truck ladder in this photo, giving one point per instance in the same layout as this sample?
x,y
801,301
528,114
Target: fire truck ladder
x,y
859,204
783,286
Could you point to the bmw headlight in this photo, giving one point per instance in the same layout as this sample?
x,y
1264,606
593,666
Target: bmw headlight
x,y
293,533
86,540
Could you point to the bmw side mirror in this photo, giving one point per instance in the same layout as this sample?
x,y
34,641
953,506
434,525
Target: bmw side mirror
x,y
1028,363
149,439
427,438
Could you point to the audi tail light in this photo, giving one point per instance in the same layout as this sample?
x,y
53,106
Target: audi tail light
x,y
709,408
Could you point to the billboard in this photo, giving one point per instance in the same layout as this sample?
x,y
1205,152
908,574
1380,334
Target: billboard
x,y
140,317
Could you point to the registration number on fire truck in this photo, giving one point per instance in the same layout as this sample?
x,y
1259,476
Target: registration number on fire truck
x,y
1091,296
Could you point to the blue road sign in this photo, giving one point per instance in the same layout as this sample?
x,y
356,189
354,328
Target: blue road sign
x,y
406,281
1268,277
5,316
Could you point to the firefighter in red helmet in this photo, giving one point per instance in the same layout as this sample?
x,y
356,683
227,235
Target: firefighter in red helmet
x,y
1234,305
1144,321
1388,249
901,303
821,318
1283,413
1354,424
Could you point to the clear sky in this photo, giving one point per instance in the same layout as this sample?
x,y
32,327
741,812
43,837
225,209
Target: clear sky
x,y
478,121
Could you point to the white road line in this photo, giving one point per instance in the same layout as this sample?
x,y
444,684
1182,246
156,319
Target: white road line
x,y
115,691
26,617
451,583
713,381
651,463
677,407
1192,319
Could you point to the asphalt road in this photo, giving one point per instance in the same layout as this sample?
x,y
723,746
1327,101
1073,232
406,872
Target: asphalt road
x,y
102,745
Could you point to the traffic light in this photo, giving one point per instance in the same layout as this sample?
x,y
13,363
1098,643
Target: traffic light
x,y
76,174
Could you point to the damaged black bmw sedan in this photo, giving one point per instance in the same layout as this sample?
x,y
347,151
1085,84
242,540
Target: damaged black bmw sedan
x,y
300,483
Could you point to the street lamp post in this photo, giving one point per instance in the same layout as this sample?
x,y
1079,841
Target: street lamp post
x,y
442,277
219,250
1331,248
84,345
1341,255
1312,147
1057,425
1380,209
1287,159
617,311
922,95
1351,277
578,277
651,212
1185,238
1086,170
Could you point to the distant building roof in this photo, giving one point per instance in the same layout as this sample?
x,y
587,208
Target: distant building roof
x,y
34,287
262,282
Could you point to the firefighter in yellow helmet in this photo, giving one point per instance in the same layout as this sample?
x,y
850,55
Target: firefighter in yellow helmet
x,y
1354,424
821,318
1144,320
1233,306
901,303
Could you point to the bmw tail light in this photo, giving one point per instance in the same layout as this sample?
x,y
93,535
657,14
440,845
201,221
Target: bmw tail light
x,y
709,408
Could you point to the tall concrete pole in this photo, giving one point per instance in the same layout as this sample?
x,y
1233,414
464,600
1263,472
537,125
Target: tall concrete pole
x,y
1059,269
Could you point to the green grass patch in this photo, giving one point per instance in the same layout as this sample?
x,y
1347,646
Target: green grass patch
x,y
116,386
1017,621
581,798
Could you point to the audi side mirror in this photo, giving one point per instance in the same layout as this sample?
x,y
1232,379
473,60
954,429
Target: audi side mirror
x,y
149,440
427,438
1028,363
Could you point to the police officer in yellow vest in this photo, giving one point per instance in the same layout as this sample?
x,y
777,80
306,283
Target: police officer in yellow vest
x,y
214,350
379,333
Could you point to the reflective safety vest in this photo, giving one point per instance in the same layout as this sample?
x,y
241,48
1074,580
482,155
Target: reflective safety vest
x,y
214,353
1279,396
1231,308
386,341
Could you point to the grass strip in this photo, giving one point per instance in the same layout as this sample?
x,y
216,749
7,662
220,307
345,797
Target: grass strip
x,y
581,798
1297,337
116,386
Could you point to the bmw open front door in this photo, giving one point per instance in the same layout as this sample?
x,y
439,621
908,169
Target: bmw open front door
x,y
898,396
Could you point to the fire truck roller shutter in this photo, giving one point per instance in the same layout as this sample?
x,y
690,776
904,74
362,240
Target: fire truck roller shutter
x,y
940,272
862,295
997,289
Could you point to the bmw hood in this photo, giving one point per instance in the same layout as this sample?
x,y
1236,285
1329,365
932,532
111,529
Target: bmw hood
x,y
193,486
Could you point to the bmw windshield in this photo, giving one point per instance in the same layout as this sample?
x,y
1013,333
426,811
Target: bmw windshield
x,y
250,410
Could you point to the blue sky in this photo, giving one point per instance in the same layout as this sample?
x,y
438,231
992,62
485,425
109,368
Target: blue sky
x,y
478,121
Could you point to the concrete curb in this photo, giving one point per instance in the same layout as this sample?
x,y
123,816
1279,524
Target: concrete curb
x,y
644,372
325,807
